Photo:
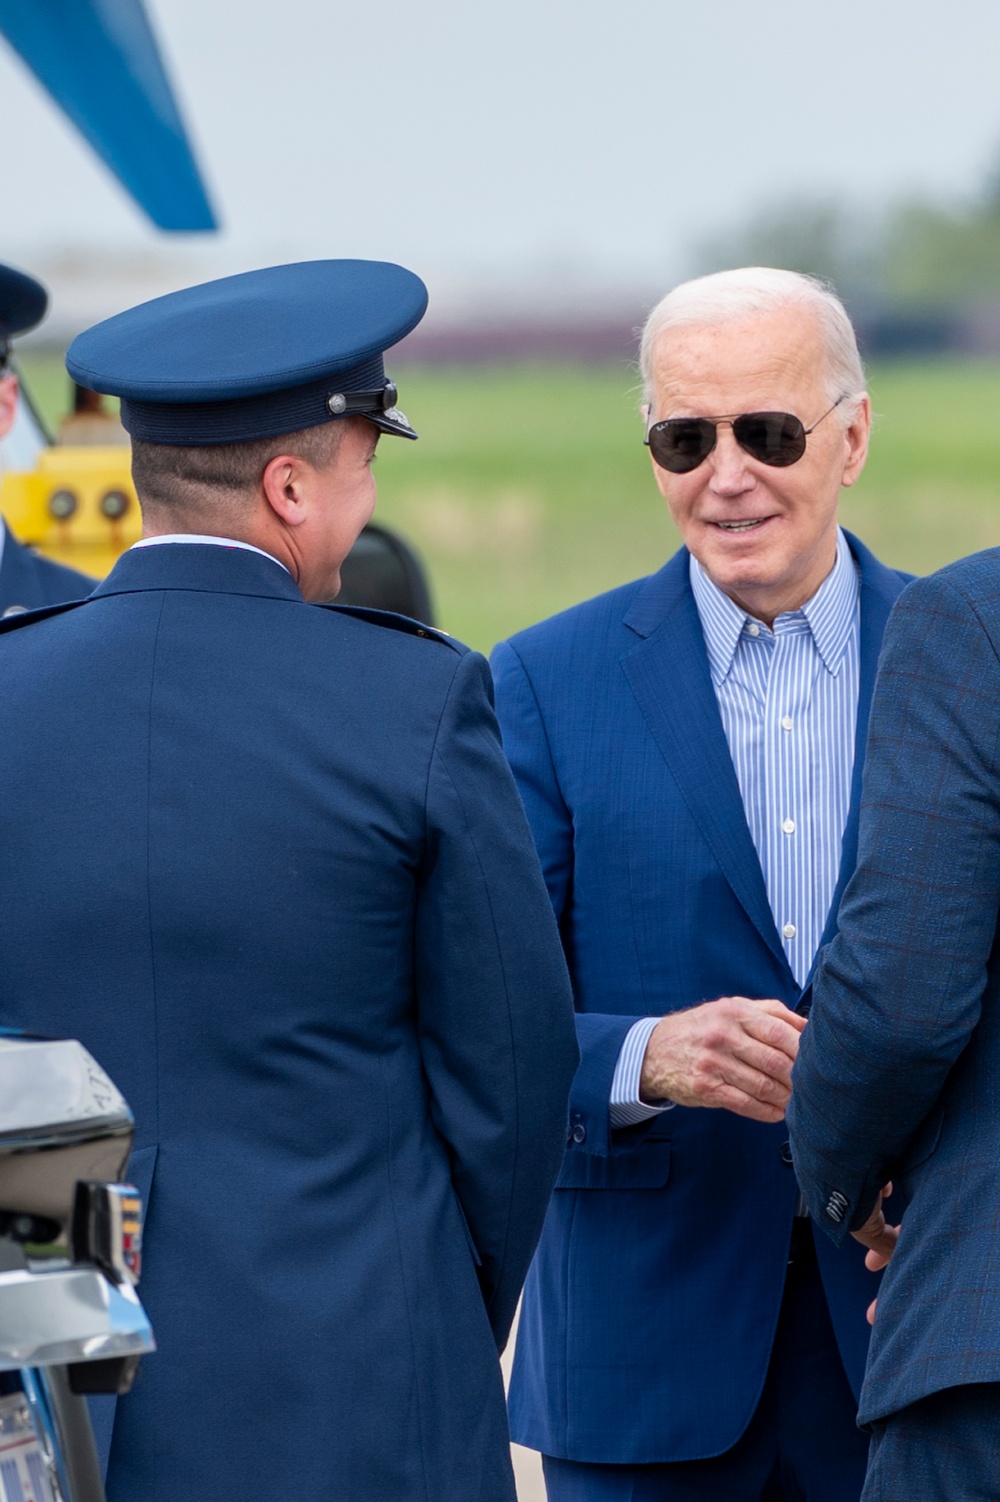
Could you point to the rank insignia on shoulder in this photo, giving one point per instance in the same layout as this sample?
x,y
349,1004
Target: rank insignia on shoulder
x,y
16,616
394,622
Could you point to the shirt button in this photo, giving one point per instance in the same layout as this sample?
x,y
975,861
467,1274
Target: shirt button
x,y
786,722
788,825
789,930
579,1133
753,629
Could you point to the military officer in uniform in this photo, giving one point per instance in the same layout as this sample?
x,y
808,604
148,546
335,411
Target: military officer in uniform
x,y
26,580
266,860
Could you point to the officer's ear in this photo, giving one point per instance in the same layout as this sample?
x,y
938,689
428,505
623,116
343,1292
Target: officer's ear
x,y
287,483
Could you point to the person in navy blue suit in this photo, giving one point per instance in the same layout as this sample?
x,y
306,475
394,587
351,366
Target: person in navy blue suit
x,y
687,748
897,1077
26,579
267,861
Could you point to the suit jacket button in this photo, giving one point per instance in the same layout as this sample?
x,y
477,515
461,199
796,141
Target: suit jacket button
x,y
786,1153
836,1205
579,1133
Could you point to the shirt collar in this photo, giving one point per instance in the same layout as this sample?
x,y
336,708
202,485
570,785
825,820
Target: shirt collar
x,y
832,611
217,542
830,614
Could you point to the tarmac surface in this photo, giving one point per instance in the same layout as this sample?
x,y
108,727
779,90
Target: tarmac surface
x,y
527,1463
528,1475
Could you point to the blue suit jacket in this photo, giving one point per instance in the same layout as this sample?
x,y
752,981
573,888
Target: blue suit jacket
x,y
268,862
650,1311
29,580
899,1069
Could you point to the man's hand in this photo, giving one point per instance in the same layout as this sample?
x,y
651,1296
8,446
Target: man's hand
x,y
732,1054
880,1239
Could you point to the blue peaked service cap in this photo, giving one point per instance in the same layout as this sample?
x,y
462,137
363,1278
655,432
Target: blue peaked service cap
x,y
256,355
23,303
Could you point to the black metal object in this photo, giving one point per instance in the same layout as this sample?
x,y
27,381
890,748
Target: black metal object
x,y
115,1375
383,572
78,1452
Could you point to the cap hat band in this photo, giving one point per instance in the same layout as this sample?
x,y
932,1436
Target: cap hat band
x,y
241,420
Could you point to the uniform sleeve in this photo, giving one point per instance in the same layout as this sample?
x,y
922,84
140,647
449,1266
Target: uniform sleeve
x,y
899,990
603,1038
494,1005
526,745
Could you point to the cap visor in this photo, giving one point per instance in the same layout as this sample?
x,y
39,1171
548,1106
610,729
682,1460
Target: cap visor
x,y
387,424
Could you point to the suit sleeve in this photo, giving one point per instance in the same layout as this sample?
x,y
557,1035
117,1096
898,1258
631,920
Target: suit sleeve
x,y
493,998
899,990
526,744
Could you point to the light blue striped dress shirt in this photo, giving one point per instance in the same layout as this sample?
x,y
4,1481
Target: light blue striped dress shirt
x,y
788,699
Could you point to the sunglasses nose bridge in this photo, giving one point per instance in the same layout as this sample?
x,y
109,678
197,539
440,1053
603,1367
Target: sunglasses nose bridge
x,y
727,448
728,457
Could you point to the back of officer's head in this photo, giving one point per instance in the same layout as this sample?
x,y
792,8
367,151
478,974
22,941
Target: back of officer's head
x,y
219,381
203,488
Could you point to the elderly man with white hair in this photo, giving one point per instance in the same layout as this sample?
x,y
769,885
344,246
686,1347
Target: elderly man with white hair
x,y
688,748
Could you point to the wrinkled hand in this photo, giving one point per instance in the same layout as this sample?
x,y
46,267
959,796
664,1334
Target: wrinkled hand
x,y
880,1239
732,1054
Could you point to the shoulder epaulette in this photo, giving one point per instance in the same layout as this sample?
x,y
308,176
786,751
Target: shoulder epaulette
x,y
28,617
394,622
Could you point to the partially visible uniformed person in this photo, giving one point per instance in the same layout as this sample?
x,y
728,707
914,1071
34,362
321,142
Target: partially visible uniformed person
x,y
266,860
26,579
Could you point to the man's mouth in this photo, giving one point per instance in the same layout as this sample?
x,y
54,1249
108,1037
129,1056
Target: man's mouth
x,y
746,526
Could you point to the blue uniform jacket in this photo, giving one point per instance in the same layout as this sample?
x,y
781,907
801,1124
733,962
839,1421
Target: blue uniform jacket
x,y
29,580
898,1074
268,862
651,1307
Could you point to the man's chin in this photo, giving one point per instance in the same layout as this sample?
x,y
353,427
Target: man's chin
x,y
752,571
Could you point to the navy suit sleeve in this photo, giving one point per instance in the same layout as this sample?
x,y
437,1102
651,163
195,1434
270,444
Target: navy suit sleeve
x,y
493,996
526,744
899,990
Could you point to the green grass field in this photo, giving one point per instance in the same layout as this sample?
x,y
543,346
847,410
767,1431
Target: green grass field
x,y
530,488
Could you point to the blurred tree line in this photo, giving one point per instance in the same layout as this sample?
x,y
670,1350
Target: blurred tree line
x,y
922,275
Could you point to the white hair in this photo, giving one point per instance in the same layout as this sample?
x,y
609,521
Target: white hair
x,y
729,296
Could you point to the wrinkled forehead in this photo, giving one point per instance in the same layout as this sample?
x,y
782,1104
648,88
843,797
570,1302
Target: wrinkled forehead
x,y
770,362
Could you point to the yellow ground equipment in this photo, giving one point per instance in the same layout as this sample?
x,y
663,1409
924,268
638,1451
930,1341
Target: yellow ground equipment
x,y
77,506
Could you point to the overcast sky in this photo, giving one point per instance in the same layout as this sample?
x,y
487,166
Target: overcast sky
x,y
526,143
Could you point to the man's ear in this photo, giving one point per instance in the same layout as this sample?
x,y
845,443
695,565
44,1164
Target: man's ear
x,y
286,483
856,437
8,403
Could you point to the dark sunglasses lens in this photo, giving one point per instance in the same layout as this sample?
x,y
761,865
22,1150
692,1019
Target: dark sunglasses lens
x,y
681,443
775,438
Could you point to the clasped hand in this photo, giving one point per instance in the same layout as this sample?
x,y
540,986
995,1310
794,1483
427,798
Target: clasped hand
x,y
880,1239
732,1054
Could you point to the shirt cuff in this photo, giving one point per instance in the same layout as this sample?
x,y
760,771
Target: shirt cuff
x,y
626,1107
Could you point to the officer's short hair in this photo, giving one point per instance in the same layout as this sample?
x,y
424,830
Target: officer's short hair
x,y
187,482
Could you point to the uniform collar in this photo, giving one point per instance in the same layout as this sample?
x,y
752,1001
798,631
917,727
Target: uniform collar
x,y
829,616
217,569
216,542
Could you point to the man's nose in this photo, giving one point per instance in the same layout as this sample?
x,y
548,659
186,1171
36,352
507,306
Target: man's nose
x,y
730,472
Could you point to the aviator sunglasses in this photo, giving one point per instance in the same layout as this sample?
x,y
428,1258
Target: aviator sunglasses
x,y
680,444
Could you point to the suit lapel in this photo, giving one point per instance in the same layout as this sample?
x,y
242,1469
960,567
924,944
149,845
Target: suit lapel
x,y
669,675
880,588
